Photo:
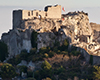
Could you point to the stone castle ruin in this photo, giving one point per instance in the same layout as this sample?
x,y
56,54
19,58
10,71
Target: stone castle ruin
x,y
49,12
52,26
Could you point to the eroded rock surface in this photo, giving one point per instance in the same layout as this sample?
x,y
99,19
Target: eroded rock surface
x,y
75,26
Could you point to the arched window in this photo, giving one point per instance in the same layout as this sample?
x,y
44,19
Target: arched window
x,y
28,13
32,12
36,13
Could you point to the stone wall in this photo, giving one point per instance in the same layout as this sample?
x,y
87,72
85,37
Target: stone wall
x,y
54,12
19,15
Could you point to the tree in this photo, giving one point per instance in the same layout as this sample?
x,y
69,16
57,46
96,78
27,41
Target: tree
x,y
47,78
23,69
97,72
44,72
46,66
34,39
7,71
3,51
91,59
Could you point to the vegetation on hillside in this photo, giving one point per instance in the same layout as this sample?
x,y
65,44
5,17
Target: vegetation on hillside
x,y
7,71
59,63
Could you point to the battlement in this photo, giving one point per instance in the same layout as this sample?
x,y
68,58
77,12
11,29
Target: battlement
x,y
49,12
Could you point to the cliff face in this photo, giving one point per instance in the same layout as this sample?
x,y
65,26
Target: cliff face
x,y
75,26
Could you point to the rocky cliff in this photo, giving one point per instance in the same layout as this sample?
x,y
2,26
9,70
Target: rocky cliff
x,y
75,26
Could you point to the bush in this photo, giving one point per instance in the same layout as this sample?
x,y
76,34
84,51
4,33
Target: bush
x,y
97,72
46,55
51,54
29,74
30,79
59,70
46,66
3,51
66,43
37,75
56,43
91,59
23,69
64,52
43,50
7,71
24,55
47,78
75,53
33,51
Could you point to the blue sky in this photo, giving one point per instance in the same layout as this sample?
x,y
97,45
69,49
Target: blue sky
x,y
92,7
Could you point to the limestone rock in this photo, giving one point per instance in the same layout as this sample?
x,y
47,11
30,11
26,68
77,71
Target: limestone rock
x,y
74,26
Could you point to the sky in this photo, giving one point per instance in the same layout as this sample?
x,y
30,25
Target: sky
x,y
92,7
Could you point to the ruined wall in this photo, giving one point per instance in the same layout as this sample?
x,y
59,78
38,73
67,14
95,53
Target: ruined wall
x,y
54,12
17,17
20,15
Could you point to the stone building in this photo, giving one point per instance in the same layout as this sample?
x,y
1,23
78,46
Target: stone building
x,y
49,12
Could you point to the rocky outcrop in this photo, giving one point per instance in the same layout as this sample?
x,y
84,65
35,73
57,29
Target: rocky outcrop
x,y
75,26
31,66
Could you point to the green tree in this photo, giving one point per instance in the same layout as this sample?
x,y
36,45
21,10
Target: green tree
x,y
34,39
46,71
91,59
30,79
7,71
97,72
46,66
47,78
3,51
23,69
30,74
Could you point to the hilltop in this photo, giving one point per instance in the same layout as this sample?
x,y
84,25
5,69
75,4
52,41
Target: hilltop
x,y
52,43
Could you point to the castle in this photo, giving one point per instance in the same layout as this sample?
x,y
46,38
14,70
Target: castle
x,y
52,26
49,12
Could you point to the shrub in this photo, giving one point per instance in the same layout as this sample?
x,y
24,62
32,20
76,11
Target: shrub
x,y
37,75
30,74
43,50
30,79
75,53
57,43
58,52
17,59
64,52
7,71
23,55
66,43
33,51
47,78
51,54
59,70
97,72
46,66
46,55
22,69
